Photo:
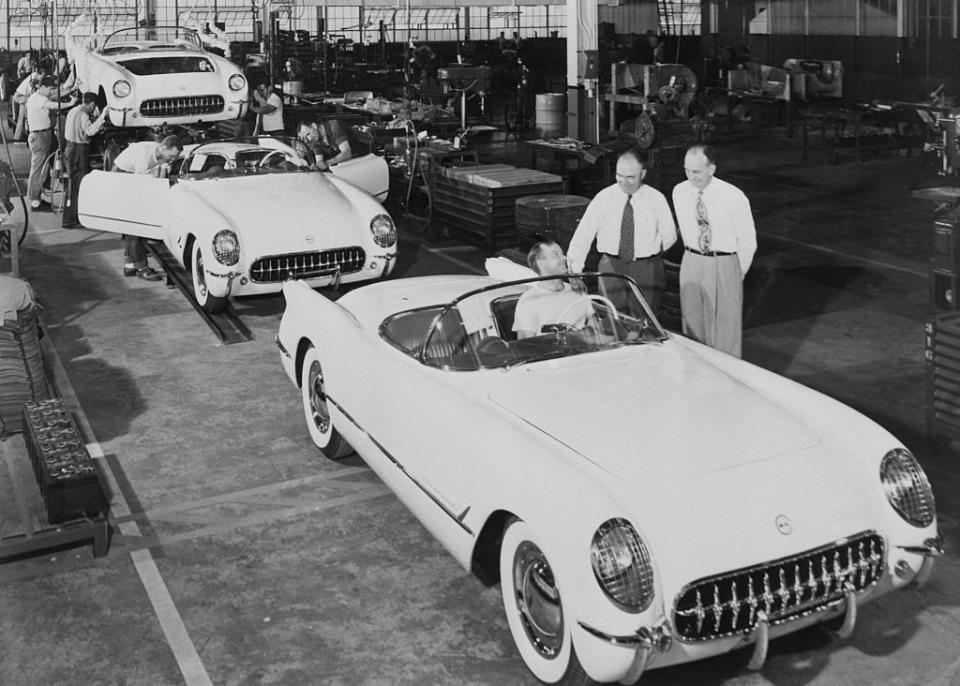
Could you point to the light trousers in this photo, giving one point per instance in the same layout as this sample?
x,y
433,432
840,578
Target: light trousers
x,y
711,301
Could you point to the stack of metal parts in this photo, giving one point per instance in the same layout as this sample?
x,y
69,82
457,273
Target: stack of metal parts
x,y
549,216
478,203
69,483
22,377
943,375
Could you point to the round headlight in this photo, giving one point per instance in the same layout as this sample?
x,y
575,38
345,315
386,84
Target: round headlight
x,y
237,82
906,486
226,247
384,232
621,565
121,89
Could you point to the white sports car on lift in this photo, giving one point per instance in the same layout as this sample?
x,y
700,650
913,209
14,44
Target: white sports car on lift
x,y
243,218
149,76
644,500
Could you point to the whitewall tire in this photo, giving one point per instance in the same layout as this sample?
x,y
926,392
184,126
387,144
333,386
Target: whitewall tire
x,y
201,292
533,604
316,411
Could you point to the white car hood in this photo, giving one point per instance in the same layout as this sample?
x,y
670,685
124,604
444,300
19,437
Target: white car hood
x,y
704,463
285,212
650,412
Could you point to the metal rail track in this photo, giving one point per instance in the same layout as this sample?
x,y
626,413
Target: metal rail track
x,y
227,325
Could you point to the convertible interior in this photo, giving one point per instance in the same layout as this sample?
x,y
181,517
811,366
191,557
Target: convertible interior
x,y
439,336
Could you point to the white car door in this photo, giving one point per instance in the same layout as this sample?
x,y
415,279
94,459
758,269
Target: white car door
x,y
369,172
132,204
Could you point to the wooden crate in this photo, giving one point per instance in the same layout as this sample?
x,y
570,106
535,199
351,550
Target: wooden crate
x,y
476,204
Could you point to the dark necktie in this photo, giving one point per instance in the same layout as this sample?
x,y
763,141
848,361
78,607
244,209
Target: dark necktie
x,y
703,223
626,232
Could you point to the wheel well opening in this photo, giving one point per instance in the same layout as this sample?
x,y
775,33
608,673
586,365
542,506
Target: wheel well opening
x,y
302,347
188,253
486,553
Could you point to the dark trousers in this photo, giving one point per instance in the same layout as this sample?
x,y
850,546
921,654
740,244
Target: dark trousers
x,y
647,272
76,159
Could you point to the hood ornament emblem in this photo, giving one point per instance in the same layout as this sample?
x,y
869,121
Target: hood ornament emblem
x,y
308,238
784,525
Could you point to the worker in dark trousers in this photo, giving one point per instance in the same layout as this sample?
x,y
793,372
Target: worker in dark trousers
x,y
81,124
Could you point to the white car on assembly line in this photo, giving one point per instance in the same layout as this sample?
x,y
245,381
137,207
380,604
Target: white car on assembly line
x,y
156,75
244,217
643,499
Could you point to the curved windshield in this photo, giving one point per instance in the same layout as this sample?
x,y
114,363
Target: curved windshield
x,y
527,321
167,37
217,162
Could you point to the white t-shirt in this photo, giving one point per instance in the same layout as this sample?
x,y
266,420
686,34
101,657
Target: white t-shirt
x,y
273,121
538,307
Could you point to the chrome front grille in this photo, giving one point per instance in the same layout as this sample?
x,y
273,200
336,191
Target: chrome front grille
x,y
182,107
307,265
727,604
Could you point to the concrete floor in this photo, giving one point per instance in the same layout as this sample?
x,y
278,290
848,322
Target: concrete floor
x,y
243,557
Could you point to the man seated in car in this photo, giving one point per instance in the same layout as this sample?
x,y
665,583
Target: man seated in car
x,y
554,304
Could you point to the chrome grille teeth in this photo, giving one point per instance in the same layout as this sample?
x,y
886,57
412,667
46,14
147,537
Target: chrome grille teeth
x,y
820,578
307,265
752,602
716,609
797,584
734,604
783,590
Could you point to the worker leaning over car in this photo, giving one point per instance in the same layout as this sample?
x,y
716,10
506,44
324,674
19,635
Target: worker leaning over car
x,y
326,143
153,158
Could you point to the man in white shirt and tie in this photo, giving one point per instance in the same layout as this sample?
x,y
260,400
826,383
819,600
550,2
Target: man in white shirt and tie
x,y
632,225
720,240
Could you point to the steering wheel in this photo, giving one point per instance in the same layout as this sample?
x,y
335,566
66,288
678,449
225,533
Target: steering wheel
x,y
593,298
272,153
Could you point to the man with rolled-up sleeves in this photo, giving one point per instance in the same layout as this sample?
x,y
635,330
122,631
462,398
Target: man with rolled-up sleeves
x,y
720,240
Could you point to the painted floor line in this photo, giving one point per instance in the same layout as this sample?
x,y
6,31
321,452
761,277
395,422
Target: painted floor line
x,y
188,660
846,255
175,631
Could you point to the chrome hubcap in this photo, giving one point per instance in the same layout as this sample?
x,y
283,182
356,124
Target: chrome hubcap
x,y
538,600
318,399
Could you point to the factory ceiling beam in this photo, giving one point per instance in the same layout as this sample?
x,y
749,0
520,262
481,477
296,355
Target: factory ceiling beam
x,y
444,4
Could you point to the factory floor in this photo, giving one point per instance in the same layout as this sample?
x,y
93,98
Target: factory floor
x,y
241,556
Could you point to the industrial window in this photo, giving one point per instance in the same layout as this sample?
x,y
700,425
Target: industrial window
x,y
344,23
680,17
935,19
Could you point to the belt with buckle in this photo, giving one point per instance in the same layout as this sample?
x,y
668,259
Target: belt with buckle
x,y
40,130
709,253
635,259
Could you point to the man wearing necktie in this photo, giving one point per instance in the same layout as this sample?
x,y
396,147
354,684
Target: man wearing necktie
x,y
632,225
720,240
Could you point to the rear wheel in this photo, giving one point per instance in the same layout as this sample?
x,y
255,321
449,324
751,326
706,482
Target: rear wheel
x,y
209,303
316,411
534,606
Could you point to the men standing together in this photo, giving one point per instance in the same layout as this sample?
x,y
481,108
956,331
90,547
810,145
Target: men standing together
x,y
633,225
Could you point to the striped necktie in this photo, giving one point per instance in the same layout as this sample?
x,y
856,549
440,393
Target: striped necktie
x,y
703,223
626,233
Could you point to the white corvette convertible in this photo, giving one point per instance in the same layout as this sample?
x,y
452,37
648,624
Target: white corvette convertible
x,y
243,218
149,76
644,500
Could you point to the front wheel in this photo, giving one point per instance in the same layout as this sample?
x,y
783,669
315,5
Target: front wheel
x,y
533,603
315,410
201,292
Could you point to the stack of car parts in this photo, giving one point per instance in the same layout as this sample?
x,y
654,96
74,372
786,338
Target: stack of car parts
x,y
943,375
21,368
69,483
